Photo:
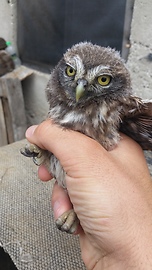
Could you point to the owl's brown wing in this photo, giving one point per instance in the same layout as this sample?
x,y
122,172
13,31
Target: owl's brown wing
x,y
137,122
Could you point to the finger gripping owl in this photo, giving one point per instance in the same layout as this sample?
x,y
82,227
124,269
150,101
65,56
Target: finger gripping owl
x,y
90,91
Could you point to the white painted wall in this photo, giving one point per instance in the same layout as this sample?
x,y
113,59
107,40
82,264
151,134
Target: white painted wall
x,y
141,46
36,105
8,20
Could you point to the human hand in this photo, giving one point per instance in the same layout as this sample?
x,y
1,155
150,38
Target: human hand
x,y
111,194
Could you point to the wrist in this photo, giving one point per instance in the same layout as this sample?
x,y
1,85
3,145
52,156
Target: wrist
x,y
135,261
137,255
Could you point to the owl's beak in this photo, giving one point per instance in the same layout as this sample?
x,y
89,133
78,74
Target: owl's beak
x,y
80,89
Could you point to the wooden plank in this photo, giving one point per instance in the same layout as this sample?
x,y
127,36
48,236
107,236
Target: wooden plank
x,y
3,133
12,111
12,91
8,120
17,110
20,73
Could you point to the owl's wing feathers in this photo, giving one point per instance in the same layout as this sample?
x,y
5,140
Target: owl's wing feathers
x,y
137,122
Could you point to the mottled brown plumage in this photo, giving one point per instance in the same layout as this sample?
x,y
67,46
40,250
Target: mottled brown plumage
x,y
102,110
90,91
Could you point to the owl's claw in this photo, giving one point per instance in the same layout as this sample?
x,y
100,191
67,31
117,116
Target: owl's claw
x,y
68,222
31,150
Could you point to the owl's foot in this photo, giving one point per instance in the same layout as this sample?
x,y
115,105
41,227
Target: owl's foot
x,y
68,222
39,155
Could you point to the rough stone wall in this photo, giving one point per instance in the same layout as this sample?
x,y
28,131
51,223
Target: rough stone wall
x,y
140,57
8,21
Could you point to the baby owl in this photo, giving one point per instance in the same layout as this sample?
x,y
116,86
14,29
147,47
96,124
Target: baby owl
x,y
90,91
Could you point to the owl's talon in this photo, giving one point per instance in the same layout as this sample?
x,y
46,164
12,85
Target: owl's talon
x,y
31,150
74,226
68,222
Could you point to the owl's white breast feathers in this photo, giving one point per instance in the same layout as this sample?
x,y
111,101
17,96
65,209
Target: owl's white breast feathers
x,y
55,112
95,116
73,117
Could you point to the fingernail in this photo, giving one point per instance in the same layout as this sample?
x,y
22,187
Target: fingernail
x,y
57,209
30,131
56,206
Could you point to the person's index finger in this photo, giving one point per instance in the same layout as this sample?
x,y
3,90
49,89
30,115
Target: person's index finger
x,y
61,141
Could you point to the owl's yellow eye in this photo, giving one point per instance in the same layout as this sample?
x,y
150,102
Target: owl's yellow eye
x,y
70,71
104,80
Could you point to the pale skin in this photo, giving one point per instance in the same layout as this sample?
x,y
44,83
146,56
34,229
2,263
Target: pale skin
x,y
111,193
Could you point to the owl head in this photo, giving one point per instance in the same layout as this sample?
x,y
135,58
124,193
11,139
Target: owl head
x,y
88,72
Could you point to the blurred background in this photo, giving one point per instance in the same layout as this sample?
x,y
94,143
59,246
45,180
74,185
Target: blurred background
x,y
41,31
46,28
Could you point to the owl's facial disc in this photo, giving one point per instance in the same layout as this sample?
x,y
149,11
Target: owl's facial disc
x,y
81,83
